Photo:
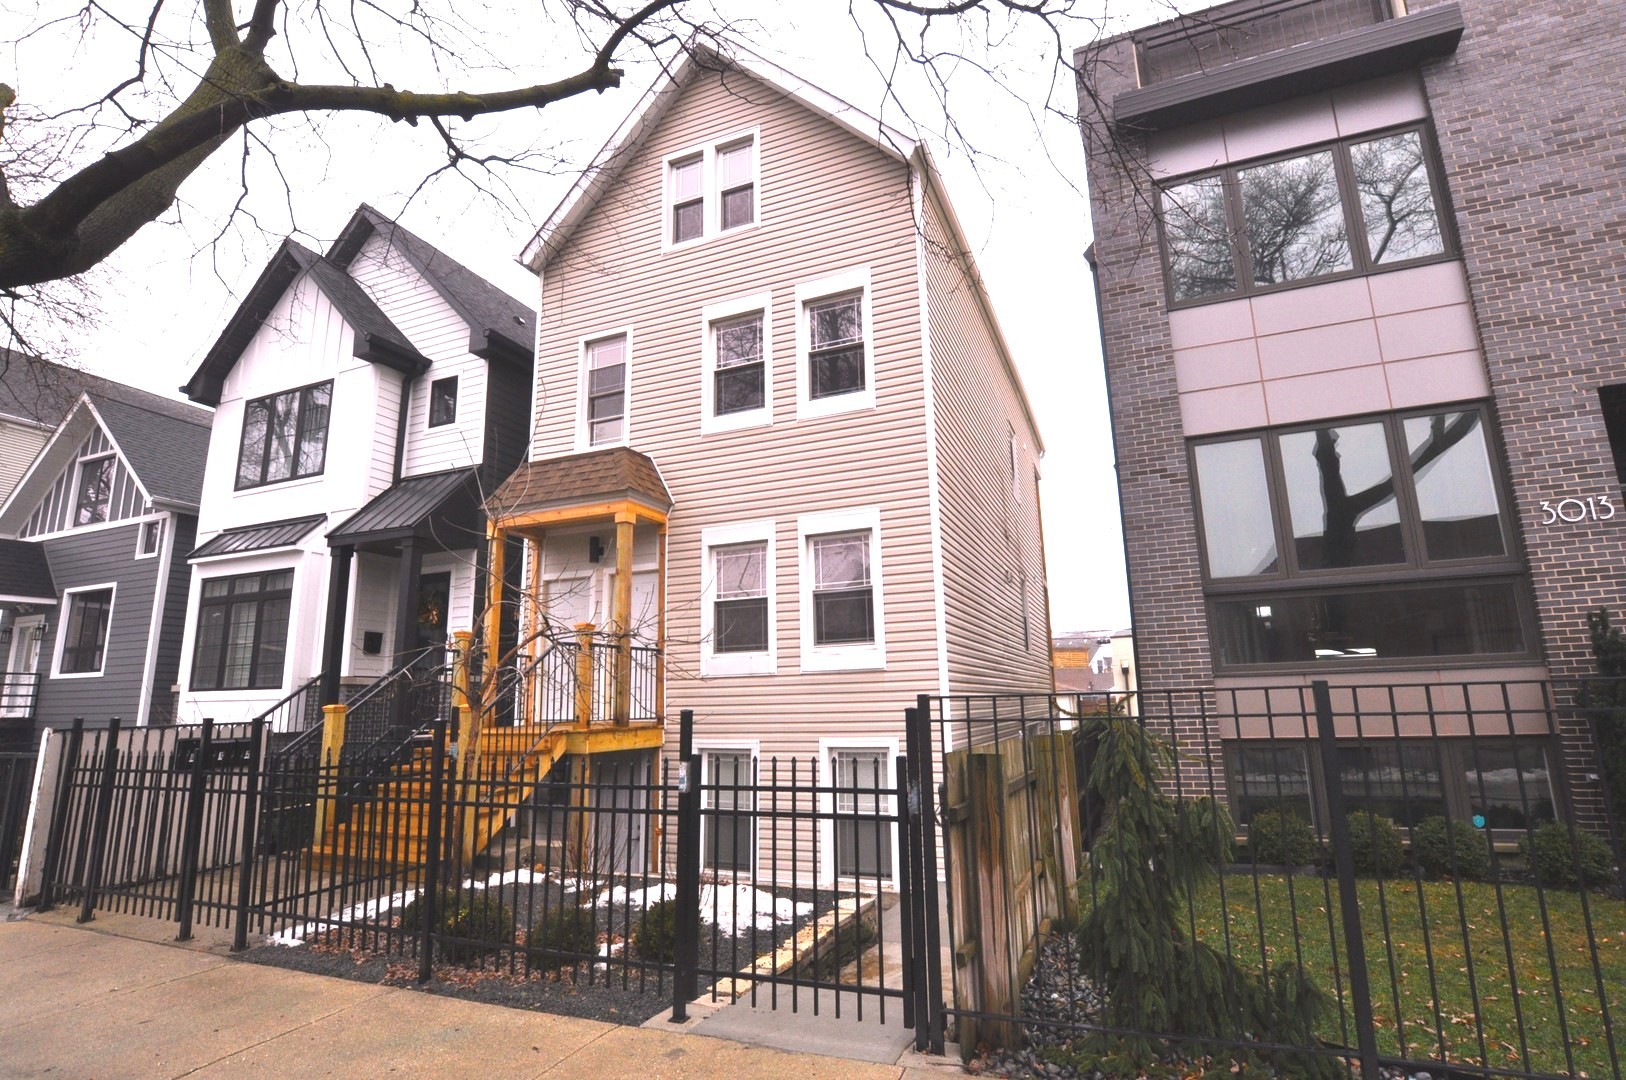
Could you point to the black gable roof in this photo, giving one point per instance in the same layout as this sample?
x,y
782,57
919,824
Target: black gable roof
x,y
167,451
377,339
44,392
500,327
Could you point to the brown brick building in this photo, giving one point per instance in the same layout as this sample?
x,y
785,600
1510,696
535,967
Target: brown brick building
x,y
1360,271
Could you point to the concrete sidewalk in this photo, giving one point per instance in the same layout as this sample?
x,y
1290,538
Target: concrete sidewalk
x,y
86,1001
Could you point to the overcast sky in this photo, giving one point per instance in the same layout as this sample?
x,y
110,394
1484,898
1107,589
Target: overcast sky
x,y
165,297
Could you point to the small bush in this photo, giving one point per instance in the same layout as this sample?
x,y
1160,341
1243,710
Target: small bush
x,y
412,914
481,924
656,936
569,930
1281,838
1375,844
1455,848
1552,857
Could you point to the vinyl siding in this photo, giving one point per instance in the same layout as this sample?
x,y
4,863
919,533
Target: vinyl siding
x,y
166,672
990,531
20,443
830,203
442,336
95,558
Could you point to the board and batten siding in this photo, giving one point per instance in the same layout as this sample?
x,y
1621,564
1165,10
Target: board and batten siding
x,y
441,335
55,511
990,526
830,203
97,557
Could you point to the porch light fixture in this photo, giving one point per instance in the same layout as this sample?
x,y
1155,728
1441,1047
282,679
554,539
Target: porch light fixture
x,y
39,631
5,636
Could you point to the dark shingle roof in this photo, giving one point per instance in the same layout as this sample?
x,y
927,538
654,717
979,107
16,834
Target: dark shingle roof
x,y
272,534
500,327
403,507
377,339
42,391
24,571
167,452
596,476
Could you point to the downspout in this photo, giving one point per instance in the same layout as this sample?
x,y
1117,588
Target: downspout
x,y
407,382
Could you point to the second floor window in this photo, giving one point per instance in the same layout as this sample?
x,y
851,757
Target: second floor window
x,y
740,618
1354,207
740,370
443,401
836,354
843,602
284,436
84,642
607,391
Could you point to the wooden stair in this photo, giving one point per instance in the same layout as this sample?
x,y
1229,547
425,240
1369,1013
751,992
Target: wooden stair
x,y
389,832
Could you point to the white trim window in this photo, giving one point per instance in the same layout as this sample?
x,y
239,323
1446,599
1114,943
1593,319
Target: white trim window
x,y
149,538
81,643
710,190
835,354
738,609
606,375
840,577
93,489
858,843
736,388
728,834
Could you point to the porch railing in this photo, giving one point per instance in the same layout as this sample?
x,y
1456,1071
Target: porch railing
x,y
19,690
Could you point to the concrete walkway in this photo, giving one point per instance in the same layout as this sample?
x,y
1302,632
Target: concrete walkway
x,y
98,1001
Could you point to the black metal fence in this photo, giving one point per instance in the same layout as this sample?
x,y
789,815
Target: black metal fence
x,y
16,785
1414,851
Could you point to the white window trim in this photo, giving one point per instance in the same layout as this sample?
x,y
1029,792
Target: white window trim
x,y
827,802
65,607
711,197
584,437
868,656
704,747
141,531
854,280
713,664
710,422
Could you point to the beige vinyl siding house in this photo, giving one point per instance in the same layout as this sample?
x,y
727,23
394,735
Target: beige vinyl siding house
x,y
912,467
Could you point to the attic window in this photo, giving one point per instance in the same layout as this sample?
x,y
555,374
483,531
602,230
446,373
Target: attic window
x,y
94,492
711,189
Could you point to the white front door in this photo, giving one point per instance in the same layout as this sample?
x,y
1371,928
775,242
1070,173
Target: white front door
x,y
22,667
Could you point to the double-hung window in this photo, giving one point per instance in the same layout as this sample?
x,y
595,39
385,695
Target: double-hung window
x,y
284,436
604,399
737,616
242,633
1360,541
863,833
736,378
836,356
842,624
84,639
1360,205
711,189
728,823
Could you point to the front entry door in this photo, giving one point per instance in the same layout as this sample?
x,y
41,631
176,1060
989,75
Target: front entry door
x,y
434,602
22,667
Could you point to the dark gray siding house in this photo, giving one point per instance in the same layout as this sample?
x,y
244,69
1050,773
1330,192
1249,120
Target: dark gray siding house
x,y
96,533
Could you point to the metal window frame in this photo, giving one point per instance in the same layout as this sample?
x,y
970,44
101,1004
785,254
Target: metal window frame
x,y
230,599
299,434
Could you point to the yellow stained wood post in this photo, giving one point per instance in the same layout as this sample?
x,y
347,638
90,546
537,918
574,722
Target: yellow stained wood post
x,y
534,645
468,736
497,538
624,524
333,719
584,674
581,775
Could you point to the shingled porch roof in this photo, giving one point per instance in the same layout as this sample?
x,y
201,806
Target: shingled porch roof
x,y
591,483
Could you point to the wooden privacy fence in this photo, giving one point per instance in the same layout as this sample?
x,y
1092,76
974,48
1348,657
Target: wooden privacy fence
x,y
1011,835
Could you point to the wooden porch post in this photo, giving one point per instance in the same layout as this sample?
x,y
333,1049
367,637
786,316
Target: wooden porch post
x,y
584,674
497,542
624,524
660,625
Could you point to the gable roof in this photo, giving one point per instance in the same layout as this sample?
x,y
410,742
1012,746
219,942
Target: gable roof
x,y
697,58
596,476
377,339
44,392
500,327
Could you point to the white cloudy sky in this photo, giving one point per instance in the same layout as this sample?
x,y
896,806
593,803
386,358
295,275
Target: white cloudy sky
x,y
165,296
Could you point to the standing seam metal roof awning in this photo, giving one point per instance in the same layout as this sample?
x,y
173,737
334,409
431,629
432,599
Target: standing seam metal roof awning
x,y
273,534
401,509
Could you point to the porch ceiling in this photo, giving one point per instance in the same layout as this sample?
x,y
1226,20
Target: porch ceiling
x,y
581,487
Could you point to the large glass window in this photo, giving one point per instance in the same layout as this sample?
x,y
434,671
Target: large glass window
x,y
242,632
1269,777
740,611
1508,784
607,391
284,436
84,642
1360,512
1399,780
863,838
1348,208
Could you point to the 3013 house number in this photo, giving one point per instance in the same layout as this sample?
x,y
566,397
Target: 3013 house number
x,y
1570,511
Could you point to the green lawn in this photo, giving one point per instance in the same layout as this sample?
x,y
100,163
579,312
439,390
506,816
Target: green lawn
x,y
1519,1006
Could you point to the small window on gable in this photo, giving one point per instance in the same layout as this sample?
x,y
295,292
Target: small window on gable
x,y
711,189
94,492
152,535
443,401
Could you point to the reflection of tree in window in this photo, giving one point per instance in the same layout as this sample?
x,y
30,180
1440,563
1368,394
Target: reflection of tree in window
x,y
1199,239
95,490
1397,203
740,614
739,374
1294,219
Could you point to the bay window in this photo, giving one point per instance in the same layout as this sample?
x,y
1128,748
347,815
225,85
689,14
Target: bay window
x,y
242,631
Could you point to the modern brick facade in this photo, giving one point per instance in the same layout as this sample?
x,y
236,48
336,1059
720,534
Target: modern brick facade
x,y
1526,108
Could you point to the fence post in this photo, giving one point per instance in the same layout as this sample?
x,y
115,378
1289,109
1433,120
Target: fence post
x,y
908,885
584,674
686,955
251,824
327,768
192,834
98,828
59,812
1360,988
431,868
932,940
